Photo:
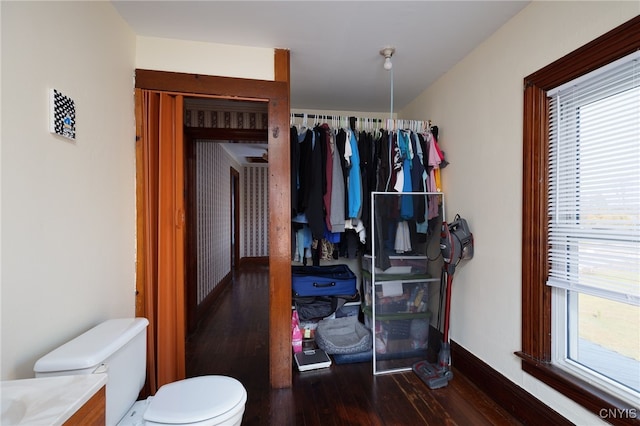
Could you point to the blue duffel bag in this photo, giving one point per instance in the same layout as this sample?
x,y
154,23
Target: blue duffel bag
x,y
329,280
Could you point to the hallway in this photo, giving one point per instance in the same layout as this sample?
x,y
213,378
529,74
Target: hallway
x,y
233,340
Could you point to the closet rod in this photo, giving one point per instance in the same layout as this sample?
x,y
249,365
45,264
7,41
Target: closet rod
x,y
392,124
299,115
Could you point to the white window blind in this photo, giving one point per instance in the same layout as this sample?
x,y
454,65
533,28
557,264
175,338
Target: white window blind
x,y
594,183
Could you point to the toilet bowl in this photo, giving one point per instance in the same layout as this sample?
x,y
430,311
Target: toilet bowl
x,y
118,347
204,400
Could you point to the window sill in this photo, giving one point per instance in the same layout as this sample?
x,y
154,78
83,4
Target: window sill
x,y
602,404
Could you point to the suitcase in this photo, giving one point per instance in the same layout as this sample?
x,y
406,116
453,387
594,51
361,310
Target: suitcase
x,y
330,280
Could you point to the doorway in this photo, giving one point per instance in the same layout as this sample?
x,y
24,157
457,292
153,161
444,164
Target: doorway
x,y
276,95
215,161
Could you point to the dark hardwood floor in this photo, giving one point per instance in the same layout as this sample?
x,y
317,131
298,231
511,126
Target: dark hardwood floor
x,y
233,340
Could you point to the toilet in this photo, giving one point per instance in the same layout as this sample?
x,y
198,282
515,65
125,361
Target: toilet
x,y
118,348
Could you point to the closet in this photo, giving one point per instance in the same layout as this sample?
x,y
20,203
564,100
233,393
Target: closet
x,y
366,192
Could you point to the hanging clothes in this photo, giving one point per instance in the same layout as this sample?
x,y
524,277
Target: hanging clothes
x,y
434,164
366,148
303,244
422,223
402,238
325,138
315,207
336,215
417,178
305,141
442,162
383,162
335,169
294,162
406,154
354,183
341,141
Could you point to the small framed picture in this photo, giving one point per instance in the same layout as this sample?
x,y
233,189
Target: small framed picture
x,y
62,120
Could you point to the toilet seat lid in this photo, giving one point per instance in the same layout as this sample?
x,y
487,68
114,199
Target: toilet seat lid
x,y
195,399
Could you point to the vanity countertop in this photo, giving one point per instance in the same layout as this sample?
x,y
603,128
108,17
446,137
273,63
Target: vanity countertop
x,y
46,400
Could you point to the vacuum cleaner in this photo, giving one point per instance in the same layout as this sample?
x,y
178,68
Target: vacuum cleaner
x,y
456,244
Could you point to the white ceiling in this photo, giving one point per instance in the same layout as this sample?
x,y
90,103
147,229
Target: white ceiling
x,y
334,45
241,151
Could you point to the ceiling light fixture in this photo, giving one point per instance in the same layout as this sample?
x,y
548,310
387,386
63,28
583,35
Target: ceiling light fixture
x,y
387,52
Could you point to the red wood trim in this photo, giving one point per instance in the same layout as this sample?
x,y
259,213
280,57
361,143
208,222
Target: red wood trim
x,y
141,217
204,306
227,135
282,65
279,246
248,261
221,87
592,398
281,370
615,44
518,402
536,296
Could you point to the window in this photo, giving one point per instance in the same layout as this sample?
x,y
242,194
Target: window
x,y
594,226
538,358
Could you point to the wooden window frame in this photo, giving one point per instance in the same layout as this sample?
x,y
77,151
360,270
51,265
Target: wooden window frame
x,y
536,295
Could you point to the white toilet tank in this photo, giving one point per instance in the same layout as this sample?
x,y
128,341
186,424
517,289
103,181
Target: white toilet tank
x,y
117,347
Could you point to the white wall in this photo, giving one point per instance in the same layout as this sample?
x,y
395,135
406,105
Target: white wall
x,y
205,58
68,208
478,108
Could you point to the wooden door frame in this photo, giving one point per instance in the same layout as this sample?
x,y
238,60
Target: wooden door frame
x,y
276,95
191,227
234,203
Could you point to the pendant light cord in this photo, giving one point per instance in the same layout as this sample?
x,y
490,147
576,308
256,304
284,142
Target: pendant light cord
x,y
391,108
